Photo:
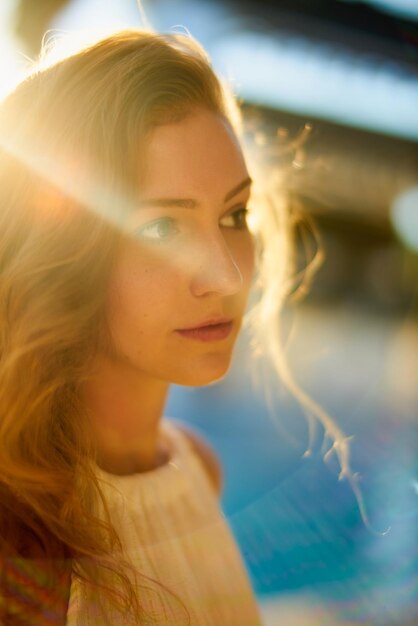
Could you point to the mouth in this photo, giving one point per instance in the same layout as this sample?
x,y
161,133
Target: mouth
x,y
212,331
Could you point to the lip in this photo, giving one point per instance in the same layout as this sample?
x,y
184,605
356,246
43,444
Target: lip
x,y
209,322
208,331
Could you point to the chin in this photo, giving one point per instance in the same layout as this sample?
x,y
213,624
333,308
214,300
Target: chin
x,y
205,373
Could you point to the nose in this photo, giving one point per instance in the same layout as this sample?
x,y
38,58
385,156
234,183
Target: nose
x,y
215,269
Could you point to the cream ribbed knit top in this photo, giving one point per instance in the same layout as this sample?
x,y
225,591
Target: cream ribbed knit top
x,y
173,530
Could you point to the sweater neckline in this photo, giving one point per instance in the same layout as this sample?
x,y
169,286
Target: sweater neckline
x,y
168,434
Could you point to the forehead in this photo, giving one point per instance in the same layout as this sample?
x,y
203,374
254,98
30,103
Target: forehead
x,y
200,155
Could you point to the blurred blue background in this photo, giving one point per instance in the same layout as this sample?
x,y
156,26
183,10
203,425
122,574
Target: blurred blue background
x,y
350,69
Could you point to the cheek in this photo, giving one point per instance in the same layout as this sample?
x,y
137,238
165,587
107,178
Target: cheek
x,y
132,298
140,291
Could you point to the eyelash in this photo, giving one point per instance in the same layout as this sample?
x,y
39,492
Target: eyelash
x,y
239,217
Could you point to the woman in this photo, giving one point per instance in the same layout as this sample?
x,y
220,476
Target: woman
x,y
125,265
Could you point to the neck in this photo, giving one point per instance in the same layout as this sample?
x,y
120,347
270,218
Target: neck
x,y
125,409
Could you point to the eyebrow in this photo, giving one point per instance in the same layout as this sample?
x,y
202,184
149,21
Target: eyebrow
x,y
190,203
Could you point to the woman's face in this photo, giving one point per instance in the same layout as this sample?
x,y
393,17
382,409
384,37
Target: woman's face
x,y
189,261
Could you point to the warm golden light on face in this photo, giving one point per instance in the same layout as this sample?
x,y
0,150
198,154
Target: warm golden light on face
x,y
180,265
186,261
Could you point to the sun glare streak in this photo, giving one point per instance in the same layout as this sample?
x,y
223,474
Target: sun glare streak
x,y
116,208
113,207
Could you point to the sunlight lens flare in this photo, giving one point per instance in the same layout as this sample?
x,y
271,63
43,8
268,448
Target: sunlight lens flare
x,y
59,177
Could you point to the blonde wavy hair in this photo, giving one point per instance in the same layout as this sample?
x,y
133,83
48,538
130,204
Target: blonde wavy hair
x,y
70,148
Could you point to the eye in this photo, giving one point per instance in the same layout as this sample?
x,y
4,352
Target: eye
x,y
158,231
236,220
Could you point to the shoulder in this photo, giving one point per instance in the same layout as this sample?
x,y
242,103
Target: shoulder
x,y
207,455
